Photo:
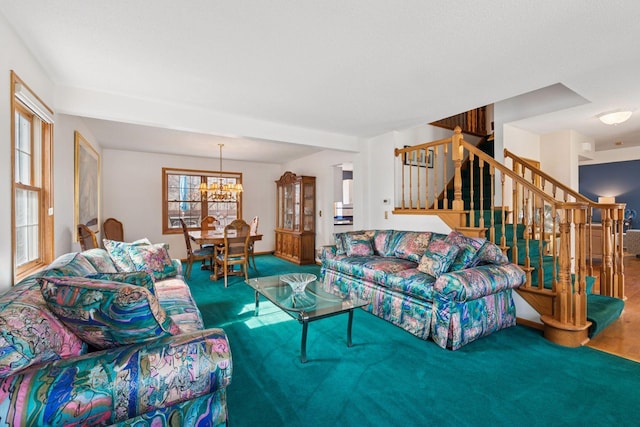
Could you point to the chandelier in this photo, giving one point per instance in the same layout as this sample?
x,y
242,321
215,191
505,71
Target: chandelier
x,y
219,191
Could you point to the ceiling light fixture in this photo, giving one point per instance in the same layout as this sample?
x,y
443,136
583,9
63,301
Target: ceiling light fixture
x,y
614,117
221,191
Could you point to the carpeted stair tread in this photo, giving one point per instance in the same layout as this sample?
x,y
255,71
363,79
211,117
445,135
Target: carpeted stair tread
x,y
602,311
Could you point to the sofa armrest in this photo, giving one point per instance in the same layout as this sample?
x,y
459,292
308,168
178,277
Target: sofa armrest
x,y
113,385
477,282
178,265
328,252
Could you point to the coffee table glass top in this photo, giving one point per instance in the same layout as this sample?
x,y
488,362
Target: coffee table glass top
x,y
312,302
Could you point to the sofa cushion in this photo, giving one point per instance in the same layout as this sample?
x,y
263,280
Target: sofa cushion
x,y
468,248
340,239
30,333
141,255
106,314
378,269
357,245
490,253
412,282
438,258
381,240
137,278
349,265
100,260
411,244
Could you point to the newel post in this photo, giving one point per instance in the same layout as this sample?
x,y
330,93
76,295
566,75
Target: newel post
x,y
456,156
568,325
606,269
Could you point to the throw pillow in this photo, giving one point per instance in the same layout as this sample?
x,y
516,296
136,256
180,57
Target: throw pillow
x,y
141,255
338,237
341,239
490,253
100,260
30,333
358,245
412,245
468,247
381,240
438,257
154,258
119,255
106,314
137,278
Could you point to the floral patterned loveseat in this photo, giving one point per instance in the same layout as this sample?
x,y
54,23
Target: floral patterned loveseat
x,y
452,288
96,339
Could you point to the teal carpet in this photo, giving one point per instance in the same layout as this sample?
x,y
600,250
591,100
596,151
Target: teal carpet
x,y
391,378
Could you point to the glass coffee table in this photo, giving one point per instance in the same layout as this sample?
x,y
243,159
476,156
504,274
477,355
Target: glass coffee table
x,y
306,306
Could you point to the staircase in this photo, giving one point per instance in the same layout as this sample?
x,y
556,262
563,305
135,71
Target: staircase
x,y
540,224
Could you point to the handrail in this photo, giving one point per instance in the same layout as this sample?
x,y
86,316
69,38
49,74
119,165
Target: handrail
x,y
549,178
556,241
612,216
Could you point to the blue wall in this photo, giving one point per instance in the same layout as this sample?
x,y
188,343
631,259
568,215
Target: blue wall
x,y
619,179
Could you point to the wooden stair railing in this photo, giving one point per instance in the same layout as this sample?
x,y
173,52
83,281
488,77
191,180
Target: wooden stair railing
x,y
513,217
611,244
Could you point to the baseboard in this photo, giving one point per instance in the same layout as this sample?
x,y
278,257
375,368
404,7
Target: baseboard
x,y
529,323
265,253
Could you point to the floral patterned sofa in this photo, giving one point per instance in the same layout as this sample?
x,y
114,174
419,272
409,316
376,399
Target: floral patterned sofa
x,y
452,288
96,339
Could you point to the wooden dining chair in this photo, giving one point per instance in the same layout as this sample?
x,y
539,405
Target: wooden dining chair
x,y
113,230
206,224
253,230
234,252
86,237
201,254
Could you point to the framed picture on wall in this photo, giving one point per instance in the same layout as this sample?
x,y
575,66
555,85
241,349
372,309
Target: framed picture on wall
x,y
422,158
87,184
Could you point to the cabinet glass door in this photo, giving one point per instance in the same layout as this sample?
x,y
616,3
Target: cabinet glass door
x,y
289,208
280,208
308,207
296,225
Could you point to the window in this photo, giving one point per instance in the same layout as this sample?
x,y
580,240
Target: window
x,y
32,221
181,199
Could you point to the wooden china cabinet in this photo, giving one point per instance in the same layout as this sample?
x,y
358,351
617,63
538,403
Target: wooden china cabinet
x,y
296,218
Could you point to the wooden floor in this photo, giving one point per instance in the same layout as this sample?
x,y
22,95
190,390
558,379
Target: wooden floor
x,y
622,337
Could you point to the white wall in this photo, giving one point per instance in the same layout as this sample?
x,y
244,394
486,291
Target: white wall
x,y
559,156
132,193
521,142
13,56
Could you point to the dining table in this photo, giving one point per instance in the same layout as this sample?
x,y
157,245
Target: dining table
x,y
215,237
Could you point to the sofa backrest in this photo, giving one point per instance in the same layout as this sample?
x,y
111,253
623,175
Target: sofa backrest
x,y
70,264
411,245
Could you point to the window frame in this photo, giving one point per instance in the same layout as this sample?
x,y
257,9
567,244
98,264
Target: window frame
x,y
204,208
45,169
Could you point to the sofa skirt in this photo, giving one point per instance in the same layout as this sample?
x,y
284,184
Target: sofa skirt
x,y
457,323
409,313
